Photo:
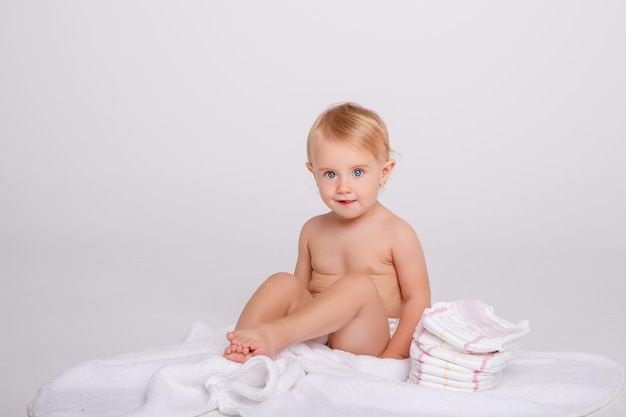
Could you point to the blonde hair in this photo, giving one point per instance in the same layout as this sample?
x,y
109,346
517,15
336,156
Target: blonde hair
x,y
353,125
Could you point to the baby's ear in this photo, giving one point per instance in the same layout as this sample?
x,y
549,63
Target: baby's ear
x,y
309,166
387,168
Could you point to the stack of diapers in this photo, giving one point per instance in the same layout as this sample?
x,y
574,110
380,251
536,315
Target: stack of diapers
x,y
462,345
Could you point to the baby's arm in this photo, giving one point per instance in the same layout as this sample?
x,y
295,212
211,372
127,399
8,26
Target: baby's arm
x,y
412,274
303,264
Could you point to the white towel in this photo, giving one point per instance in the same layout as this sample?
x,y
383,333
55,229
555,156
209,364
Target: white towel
x,y
311,380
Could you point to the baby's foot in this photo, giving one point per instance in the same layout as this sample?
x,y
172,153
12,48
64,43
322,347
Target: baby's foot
x,y
247,343
236,356
236,352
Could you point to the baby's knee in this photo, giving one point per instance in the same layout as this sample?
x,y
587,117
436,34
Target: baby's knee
x,y
280,276
283,280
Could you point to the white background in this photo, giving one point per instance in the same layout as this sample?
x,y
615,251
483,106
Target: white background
x,y
152,162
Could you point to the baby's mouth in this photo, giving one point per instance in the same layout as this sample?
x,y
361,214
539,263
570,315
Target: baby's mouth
x,y
345,202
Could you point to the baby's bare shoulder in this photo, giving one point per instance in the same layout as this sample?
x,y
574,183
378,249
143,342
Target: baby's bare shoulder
x,y
314,225
394,220
315,221
398,228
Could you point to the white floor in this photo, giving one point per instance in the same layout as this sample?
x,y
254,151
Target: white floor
x,y
64,305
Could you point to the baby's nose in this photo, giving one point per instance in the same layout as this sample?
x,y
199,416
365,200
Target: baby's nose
x,y
343,186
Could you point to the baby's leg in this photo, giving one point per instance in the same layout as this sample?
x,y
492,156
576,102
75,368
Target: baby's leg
x,y
280,294
367,333
351,310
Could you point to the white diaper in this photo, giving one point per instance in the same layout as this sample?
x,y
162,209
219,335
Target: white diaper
x,y
393,325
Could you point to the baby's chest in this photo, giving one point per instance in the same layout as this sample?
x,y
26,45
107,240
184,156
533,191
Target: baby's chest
x,y
337,257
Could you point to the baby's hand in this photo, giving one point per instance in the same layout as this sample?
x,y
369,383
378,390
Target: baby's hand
x,y
390,354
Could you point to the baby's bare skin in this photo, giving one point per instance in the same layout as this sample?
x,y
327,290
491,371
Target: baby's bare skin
x,y
357,266
331,258
339,249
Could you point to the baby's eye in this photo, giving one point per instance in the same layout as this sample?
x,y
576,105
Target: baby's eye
x,y
357,172
330,175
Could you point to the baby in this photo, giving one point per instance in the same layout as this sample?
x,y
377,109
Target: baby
x,y
360,281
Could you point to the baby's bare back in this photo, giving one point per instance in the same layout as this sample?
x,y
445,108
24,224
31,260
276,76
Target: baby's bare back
x,y
339,249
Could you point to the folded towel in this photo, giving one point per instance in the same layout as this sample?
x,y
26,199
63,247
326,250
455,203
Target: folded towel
x,y
472,326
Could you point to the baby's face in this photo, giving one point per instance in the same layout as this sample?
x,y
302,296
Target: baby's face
x,y
348,178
